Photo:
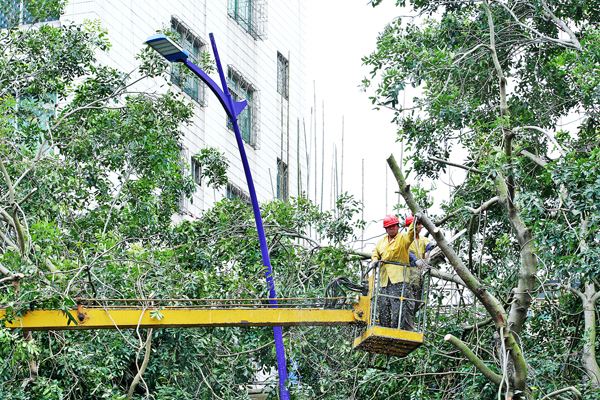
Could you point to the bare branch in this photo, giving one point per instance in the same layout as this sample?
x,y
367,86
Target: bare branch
x,y
573,290
491,304
561,24
142,368
477,325
9,275
465,54
573,389
539,161
546,133
564,43
439,160
11,189
484,206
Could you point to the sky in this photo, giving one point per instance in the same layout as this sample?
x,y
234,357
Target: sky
x,y
339,34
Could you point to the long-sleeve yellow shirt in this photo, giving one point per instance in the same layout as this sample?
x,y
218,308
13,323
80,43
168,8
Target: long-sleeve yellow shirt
x,y
418,246
396,250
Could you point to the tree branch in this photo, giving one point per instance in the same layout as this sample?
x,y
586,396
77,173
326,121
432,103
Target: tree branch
x,y
538,160
546,133
472,357
573,389
466,53
439,160
491,304
562,25
484,206
142,369
564,43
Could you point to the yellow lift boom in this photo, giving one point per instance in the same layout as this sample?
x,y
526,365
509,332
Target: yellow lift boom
x,y
89,314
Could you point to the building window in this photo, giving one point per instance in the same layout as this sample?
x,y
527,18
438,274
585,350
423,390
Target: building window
x,y
18,12
251,15
180,76
242,90
282,180
234,192
196,171
283,76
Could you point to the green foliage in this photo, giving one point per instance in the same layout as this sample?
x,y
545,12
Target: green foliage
x,y
93,175
213,166
445,52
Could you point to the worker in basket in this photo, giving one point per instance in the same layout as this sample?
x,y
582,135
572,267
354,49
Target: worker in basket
x,y
419,251
397,278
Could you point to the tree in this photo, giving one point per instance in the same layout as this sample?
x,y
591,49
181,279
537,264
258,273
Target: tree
x,y
495,78
91,179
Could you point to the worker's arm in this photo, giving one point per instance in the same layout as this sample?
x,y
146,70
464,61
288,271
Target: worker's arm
x,y
376,255
409,236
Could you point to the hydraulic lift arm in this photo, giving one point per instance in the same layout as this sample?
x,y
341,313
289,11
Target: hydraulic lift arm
x,y
181,317
91,314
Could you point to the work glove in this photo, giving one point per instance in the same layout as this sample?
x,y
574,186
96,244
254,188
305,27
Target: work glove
x,y
413,259
422,264
430,247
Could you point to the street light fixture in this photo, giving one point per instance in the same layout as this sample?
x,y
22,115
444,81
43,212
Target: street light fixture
x,y
167,48
174,53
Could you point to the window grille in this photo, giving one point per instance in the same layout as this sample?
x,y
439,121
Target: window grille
x,y
196,171
18,12
234,192
190,84
251,15
241,89
283,76
282,180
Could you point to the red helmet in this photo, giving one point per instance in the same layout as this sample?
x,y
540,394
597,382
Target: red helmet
x,y
409,220
390,220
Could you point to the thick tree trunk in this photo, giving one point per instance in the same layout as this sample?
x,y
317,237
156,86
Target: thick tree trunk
x,y
588,357
528,267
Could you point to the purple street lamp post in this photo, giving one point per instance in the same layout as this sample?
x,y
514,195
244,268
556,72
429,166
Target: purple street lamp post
x,y
174,53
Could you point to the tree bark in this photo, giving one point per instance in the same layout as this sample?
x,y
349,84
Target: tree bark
x,y
588,356
491,303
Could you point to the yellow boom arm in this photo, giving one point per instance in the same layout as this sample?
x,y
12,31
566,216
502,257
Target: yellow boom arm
x,y
133,317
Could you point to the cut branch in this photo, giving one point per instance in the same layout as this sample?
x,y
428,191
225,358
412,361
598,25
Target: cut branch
x,y
491,304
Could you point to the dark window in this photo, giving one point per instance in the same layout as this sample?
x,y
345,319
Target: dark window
x,y
241,90
250,15
17,12
196,171
282,180
234,192
283,76
180,76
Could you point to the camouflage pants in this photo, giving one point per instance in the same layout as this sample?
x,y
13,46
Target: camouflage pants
x,y
389,307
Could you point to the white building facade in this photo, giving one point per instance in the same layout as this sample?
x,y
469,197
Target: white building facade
x,y
261,48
